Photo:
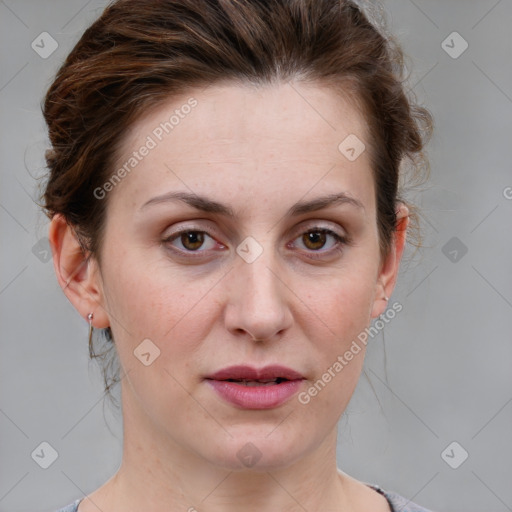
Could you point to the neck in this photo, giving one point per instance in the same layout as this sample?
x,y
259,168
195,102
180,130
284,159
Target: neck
x,y
157,473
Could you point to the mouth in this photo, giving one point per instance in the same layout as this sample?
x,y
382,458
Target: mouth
x,y
246,373
250,388
252,383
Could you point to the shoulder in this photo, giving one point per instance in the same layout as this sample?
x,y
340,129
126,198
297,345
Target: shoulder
x,y
72,507
399,503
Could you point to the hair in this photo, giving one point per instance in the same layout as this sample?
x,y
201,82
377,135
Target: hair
x,y
140,53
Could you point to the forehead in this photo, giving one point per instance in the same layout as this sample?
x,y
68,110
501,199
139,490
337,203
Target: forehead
x,y
233,139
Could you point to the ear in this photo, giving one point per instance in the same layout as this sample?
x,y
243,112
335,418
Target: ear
x,y
388,272
77,274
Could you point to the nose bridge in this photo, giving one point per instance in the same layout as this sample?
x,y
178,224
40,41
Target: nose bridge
x,y
258,302
261,282
256,257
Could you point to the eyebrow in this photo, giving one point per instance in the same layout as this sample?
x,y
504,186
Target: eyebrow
x,y
207,205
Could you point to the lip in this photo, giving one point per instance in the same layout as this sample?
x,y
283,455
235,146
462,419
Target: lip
x,y
251,373
255,397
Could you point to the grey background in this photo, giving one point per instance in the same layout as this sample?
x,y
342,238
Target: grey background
x,y
445,374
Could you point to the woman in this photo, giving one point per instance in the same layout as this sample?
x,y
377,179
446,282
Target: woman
x,y
224,205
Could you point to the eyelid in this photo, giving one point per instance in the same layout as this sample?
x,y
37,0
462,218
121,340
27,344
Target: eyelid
x,y
210,231
320,225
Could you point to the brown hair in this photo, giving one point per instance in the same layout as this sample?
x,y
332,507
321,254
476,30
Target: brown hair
x,y
139,53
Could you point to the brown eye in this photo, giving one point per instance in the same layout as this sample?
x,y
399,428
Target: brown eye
x,y
192,240
314,240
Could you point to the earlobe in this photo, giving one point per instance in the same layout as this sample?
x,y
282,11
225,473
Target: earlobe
x,y
75,272
390,266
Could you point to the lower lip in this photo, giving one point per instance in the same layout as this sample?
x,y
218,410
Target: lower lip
x,y
255,397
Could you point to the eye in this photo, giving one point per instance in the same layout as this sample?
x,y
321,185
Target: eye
x,y
316,239
191,241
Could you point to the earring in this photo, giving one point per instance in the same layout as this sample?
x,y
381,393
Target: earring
x,y
89,317
386,298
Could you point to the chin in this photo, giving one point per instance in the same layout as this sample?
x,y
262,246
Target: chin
x,y
258,451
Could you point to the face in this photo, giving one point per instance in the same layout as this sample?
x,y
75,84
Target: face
x,y
242,235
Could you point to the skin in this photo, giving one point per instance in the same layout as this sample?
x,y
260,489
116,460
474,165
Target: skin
x,y
258,151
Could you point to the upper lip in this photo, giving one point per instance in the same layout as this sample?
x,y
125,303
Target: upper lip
x,y
251,373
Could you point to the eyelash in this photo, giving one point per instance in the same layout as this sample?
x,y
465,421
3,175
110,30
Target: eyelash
x,y
340,242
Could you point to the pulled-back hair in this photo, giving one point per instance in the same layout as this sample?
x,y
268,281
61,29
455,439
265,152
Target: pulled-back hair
x,y
141,53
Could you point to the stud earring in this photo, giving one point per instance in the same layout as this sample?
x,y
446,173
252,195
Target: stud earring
x,y
386,298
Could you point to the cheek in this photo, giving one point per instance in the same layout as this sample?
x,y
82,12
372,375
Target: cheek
x,y
342,304
177,315
172,310
342,307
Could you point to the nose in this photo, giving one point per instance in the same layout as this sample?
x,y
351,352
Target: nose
x,y
258,304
